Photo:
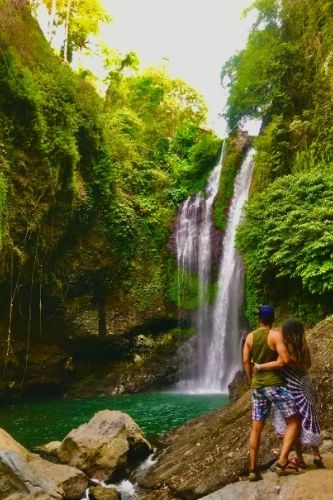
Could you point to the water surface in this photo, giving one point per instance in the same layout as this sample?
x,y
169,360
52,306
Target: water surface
x,y
39,422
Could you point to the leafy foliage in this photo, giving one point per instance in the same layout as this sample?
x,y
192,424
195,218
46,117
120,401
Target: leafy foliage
x,y
287,238
89,186
81,18
234,154
284,77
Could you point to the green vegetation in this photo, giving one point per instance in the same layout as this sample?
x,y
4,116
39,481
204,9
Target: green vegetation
x,y
89,186
234,154
80,19
284,77
288,245
184,290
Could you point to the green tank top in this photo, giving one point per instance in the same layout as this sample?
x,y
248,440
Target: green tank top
x,y
261,353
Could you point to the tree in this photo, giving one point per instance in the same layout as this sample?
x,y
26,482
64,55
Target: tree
x,y
80,18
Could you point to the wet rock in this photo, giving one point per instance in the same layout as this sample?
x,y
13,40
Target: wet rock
x,y
238,386
101,493
106,446
49,451
208,453
153,363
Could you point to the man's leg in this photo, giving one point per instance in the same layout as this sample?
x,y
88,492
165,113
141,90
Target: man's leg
x,y
282,398
290,436
254,443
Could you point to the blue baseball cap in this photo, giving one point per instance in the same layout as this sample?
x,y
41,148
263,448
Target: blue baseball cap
x,y
266,313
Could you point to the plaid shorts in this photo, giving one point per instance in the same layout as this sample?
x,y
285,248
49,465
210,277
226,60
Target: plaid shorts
x,y
263,397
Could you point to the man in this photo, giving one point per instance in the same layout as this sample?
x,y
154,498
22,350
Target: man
x,y
261,346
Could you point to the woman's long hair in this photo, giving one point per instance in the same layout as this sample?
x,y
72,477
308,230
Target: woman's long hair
x,y
293,334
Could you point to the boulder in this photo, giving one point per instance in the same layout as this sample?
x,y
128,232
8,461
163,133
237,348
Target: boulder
x,y
49,451
69,481
19,479
104,448
101,493
72,481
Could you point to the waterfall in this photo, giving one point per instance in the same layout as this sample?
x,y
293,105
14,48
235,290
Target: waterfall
x,y
194,257
215,354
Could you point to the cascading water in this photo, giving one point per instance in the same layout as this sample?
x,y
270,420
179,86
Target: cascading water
x,y
194,255
216,354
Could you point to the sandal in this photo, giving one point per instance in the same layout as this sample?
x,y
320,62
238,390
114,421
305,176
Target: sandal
x,y
254,475
318,462
299,463
283,470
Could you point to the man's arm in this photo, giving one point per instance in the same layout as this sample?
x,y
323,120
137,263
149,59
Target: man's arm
x,y
247,357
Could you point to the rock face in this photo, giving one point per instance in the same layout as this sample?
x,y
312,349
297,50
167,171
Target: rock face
x,y
128,377
212,451
17,477
24,473
313,484
106,446
49,368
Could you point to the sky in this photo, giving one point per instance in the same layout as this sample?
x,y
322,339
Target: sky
x,y
196,37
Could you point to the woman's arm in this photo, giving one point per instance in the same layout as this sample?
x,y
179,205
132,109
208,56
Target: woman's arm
x,y
278,363
271,365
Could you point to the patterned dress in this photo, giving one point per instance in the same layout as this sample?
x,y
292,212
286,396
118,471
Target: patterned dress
x,y
299,384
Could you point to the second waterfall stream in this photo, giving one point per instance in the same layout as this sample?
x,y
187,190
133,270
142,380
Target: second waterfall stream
x,y
213,356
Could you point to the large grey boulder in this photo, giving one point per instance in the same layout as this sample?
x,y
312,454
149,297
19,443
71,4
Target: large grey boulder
x,y
106,446
19,468
19,479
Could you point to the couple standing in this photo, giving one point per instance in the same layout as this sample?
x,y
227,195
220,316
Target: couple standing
x,y
279,380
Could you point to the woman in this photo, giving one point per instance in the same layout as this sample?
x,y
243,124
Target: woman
x,y
299,384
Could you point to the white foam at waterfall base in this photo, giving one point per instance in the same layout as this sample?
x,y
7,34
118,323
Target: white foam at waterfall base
x,y
147,464
125,488
214,353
